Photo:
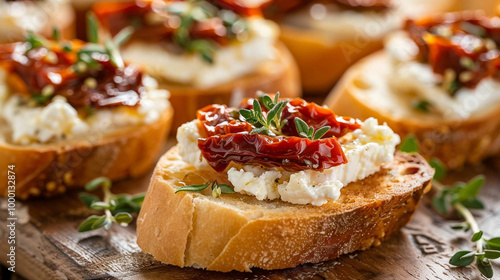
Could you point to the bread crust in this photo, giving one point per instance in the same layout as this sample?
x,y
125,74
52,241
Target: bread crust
x,y
238,232
51,169
277,75
454,142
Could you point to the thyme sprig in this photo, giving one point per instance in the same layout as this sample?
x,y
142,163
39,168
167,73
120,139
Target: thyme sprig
x,y
86,55
268,124
308,132
461,197
217,189
194,11
118,208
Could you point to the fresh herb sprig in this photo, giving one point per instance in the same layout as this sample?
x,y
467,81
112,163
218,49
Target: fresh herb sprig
x,y
308,131
461,197
118,208
192,12
269,124
217,189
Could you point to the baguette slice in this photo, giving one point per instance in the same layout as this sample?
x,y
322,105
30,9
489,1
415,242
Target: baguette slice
x,y
364,92
51,169
238,232
280,74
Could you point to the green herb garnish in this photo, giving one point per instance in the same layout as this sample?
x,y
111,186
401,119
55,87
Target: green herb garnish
x,y
40,98
269,124
422,105
462,197
117,208
308,131
85,60
217,189
409,144
92,28
34,41
56,34
199,11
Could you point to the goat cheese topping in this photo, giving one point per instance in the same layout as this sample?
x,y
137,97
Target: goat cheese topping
x,y
414,78
366,149
230,62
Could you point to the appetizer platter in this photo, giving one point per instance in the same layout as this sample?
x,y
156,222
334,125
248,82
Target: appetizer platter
x,y
171,141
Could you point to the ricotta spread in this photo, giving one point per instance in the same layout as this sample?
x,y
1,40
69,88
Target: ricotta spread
x,y
366,149
230,62
414,78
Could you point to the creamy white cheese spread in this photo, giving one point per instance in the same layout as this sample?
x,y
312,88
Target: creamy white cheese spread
x,y
58,120
411,77
230,62
367,149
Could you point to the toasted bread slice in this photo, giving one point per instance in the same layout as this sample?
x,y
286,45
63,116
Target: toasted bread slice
x,y
51,169
36,16
322,56
238,232
364,92
280,74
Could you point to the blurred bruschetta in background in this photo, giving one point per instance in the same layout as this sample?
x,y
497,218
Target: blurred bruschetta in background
x,y
72,111
327,36
203,52
439,80
19,17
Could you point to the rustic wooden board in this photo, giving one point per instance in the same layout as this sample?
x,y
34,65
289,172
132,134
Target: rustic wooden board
x,y
49,247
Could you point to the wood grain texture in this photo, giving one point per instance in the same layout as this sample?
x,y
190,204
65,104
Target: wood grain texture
x,y
49,247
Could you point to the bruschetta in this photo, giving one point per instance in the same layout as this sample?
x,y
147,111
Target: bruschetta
x,y
438,80
203,52
326,37
72,111
276,183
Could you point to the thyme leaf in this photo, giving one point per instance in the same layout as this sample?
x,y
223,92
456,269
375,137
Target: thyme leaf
x,y
308,132
92,28
217,189
269,123
118,208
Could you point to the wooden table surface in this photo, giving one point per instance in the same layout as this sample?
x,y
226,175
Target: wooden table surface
x,y
49,247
